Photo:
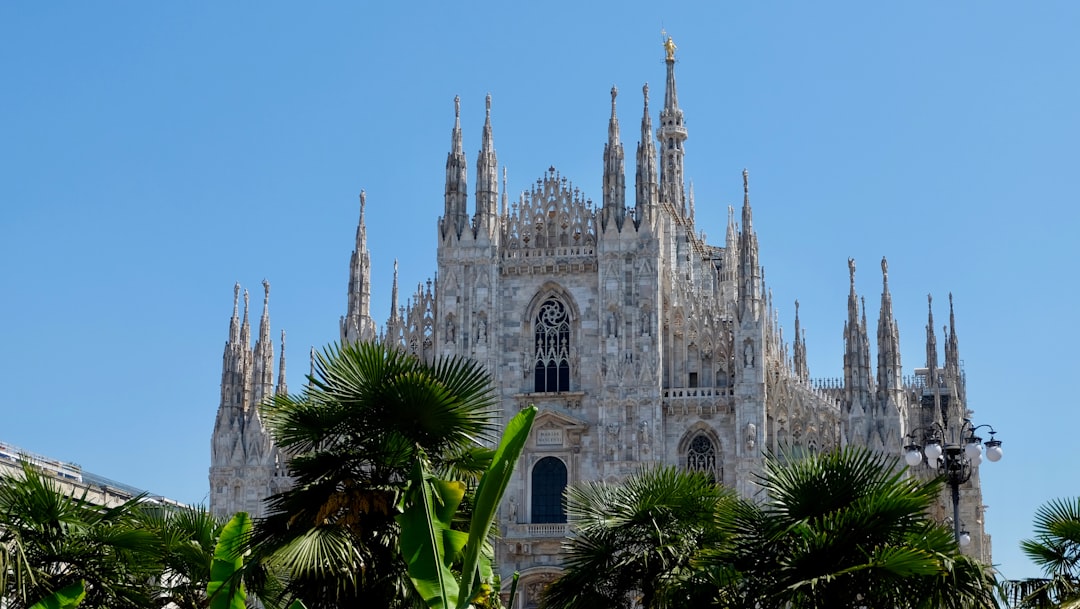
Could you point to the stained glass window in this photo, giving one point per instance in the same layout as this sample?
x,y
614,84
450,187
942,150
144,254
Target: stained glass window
x,y
552,338
701,456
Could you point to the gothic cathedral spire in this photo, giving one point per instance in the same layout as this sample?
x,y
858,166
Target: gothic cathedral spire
x,y
952,345
263,368
645,182
802,370
614,173
357,324
487,179
455,214
857,381
750,288
671,135
888,373
282,386
931,339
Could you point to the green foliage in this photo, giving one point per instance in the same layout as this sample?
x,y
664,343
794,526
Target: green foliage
x,y
634,542
50,540
1056,549
429,545
225,588
355,436
476,569
840,530
187,537
846,529
67,597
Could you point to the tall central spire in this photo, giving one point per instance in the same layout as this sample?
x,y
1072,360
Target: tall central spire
x,y
672,134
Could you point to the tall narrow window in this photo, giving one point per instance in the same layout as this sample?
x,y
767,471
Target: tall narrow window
x,y
701,456
552,338
548,483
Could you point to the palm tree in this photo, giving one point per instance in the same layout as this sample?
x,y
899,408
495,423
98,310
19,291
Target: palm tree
x,y
1055,548
186,538
50,541
353,438
845,529
633,543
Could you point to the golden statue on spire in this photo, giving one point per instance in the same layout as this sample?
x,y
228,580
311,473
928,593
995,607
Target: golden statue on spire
x,y
669,45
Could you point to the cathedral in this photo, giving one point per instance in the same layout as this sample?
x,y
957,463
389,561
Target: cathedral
x,y
638,341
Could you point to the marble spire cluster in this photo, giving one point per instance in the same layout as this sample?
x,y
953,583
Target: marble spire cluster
x,y
639,340
244,461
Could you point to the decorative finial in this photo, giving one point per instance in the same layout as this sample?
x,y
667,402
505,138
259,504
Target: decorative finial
x,y
796,307
457,106
235,298
745,182
669,46
645,92
884,267
247,301
851,271
614,92
363,202
266,289
487,102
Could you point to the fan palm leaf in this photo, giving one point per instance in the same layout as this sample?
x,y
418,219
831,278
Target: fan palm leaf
x,y
845,529
367,416
634,542
1056,549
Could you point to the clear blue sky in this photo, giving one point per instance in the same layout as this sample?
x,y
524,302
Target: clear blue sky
x,y
153,153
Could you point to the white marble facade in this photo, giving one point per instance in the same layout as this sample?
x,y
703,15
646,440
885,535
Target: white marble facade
x,y
638,341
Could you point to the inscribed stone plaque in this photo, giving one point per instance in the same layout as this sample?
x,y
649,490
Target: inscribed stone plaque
x,y
549,437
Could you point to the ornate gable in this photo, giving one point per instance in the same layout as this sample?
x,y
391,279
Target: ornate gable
x,y
553,430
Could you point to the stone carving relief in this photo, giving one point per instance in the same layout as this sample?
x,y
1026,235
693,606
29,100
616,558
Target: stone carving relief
x,y
613,437
748,354
481,329
644,436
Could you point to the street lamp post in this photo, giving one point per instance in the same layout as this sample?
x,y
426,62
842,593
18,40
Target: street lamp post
x,y
955,459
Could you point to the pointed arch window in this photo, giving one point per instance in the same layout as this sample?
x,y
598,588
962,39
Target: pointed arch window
x,y
701,456
552,340
548,484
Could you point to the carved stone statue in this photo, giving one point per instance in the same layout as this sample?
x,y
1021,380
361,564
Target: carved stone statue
x,y
751,436
511,511
613,430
